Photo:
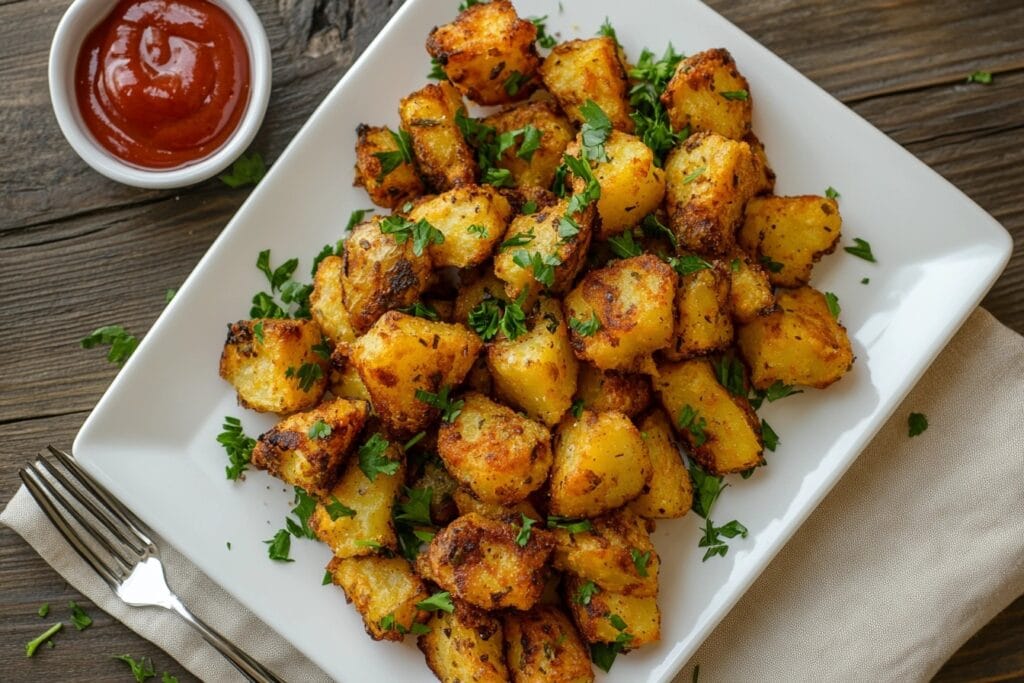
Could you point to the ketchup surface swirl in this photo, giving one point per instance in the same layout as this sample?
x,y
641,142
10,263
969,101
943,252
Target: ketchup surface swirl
x,y
162,83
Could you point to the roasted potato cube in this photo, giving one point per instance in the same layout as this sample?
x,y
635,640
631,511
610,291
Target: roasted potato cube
x,y
488,52
384,590
601,462
380,274
765,174
542,646
327,301
344,381
357,512
402,354
709,180
617,554
707,93
272,364
790,235
443,156
703,320
631,300
601,391
721,430
500,455
443,486
750,290
537,371
479,561
471,218
593,69
467,502
631,185
389,189
800,343
536,169
641,616
669,494
465,646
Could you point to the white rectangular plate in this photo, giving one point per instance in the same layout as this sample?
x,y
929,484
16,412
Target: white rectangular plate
x,y
151,438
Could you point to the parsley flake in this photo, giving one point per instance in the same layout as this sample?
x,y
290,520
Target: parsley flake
x,y
33,645
732,375
688,264
832,193
773,266
328,578
694,424
595,131
373,458
577,408
650,77
917,423
528,208
141,669
624,245
43,610
861,249
237,445
437,70
523,537
832,301
336,509
421,232
585,592
768,436
706,488
479,230
542,265
319,430
543,39
640,561
515,82
421,310
654,229
587,328
712,537
449,409
573,526
742,95
392,159
248,169
694,174
441,601
79,618
520,239
280,546
122,344
773,393
983,77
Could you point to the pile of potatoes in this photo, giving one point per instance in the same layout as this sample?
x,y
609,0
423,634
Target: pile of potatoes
x,y
572,427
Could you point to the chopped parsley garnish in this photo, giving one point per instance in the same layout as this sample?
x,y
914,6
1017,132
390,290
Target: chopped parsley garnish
x,y
624,245
389,623
917,423
248,169
543,39
650,78
865,280
529,207
237,445
415,510
573,526
141,669
712,537
742,95
264,306
688,264
492,315
523,537
654,229
122,344
328,578
43,610
79,618
368,543
421,232
479,230
322,348
520,239
567,228
607,30
336,249
466,4
585,328
307,374
498,177
591,191
389,161
585,592
773,393
832,193
441,400
530,143
769,437
280,546
514,83
640,561
735,265
983,77
706,489
595,131
513,320
832,301
276,276
542,265
577,408
603,654
438,601
732,375
356,217
692,422
421,310
693,175
320,430
437,70
773,266
169,294
373,458
414,440
304,505
861,249
33,645
336,509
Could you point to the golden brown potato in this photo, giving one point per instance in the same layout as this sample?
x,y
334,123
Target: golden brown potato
x,y
721,430
544,647
272,364
467,502
601,391
703,320
402,355
389,189
765,174
709,180
536,169
631,300
593,69
355,517
601,462
465,646
707,93
537,371
327,302
343,379
669,494
434,476
597,618
500,455
471,218
488,52
790,234
750,291
384,590
380,274
617,554
442,154
478,560
800,343
631,185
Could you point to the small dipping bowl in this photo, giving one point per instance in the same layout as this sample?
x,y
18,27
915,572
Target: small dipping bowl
x,y
76,24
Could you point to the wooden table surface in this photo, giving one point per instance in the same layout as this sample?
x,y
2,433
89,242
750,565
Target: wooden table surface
x,y
78,251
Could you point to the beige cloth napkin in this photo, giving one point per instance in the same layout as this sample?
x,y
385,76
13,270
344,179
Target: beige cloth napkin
x,y
919,545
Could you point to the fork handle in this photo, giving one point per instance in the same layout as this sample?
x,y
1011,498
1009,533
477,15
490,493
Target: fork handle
x,y
245,664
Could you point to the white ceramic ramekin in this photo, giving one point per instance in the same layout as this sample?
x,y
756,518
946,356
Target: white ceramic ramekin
x,y
81,17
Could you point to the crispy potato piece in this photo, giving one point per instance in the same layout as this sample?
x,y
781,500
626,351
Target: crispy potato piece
x,y
383,589
631,185
601,391
709,180
750,290
632,299
593,69
601,462
327,302
669,493
263,358
765,174
465,646
443,486
640,614
790,235
500,455
537,371
380,274
481,208
800,343
478,560
488,52
612,554
703,320
707,93
443,156
721,430
390,190
467,502
343,380
542,646
538,170
402,354
479,377
347,535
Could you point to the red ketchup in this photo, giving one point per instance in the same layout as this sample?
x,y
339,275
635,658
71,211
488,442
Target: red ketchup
x,y
163,83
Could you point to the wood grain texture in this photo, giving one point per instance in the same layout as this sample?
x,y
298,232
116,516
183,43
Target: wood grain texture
x,y
78,251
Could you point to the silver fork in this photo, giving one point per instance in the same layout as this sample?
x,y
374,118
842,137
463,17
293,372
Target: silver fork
x,y
125,556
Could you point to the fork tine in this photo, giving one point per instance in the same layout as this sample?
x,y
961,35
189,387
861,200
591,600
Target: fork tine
x,y
29,477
